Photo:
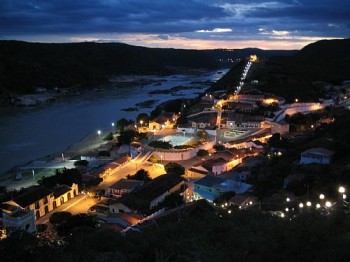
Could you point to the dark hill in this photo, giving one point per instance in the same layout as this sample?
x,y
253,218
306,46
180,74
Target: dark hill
x,y
24,66
292,77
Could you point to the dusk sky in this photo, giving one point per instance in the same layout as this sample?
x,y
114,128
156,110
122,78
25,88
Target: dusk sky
x,y
197,24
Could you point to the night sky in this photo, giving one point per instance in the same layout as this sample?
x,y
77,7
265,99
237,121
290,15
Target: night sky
x,y
198,24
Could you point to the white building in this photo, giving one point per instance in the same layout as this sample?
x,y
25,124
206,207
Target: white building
x,y
14,217
316,156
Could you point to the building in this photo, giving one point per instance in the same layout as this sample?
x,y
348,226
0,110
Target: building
x,y
251,95
280,127
42,200
243,201
196,172
164,120
220,165
211,187
123,186
149,195
243,121
14,217
316,156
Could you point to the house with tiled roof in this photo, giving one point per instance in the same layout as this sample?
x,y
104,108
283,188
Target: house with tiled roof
x,y
122,187
316,156
211,187
164,120
244,121
43,200
149,195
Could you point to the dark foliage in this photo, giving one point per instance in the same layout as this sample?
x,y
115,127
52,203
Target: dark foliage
x,y
174,168
141,175
161,144
62,177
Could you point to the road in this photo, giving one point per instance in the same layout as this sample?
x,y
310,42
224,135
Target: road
x,y
82,203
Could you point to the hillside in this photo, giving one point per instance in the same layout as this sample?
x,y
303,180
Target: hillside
x,y
24,66
291,77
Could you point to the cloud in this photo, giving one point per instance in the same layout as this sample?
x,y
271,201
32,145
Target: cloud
x,y
166,22
215,30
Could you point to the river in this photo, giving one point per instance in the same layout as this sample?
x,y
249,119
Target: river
x,y
30,133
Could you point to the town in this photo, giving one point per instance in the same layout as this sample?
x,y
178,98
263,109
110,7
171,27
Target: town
x,y
229,151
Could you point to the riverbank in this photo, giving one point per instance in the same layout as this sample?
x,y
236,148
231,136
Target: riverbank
x,y
32,132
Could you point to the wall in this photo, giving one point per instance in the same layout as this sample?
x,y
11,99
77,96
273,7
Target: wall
x,y
178,155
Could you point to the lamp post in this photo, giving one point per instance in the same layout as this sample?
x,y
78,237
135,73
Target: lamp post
x,y
112,127
99,133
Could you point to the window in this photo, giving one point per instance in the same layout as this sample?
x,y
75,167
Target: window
x,y
37,205
45,200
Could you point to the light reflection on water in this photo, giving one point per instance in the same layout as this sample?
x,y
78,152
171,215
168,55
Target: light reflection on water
x,y
30,133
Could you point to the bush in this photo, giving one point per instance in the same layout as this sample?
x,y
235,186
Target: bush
x,y
161,144
59,217
219,147
202,153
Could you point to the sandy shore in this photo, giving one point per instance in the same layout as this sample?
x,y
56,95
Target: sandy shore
x,y
88,143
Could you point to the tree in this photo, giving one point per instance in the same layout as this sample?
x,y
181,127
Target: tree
x,y
182,120
153,159
144,118
60,217
128,136
121,124
202,153
141,175
219,147
81,163
202,134
62,177
79,220
173,200
175,169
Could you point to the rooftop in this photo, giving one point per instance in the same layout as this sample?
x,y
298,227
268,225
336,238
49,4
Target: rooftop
x,y
209,181
318,151
60,190
128,184
30,195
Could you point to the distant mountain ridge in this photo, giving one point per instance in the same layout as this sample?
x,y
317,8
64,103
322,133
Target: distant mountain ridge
x,y
24,66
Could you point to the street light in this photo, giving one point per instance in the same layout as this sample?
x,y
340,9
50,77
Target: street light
x,y
141,122
301,205
328,204
99,133
341,189
308,203
322,196
318,206
112,126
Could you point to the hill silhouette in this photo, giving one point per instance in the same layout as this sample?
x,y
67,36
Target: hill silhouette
x,y
24,66
292,77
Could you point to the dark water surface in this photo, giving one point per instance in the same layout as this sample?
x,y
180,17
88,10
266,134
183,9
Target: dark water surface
x,y
30,133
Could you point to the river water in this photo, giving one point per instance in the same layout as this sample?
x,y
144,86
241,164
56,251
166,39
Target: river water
x,y
30,133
